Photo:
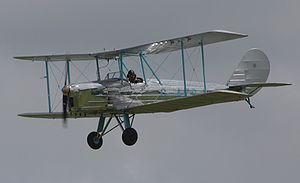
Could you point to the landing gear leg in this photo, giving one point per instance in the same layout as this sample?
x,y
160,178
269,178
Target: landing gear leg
x,y
94,139
129,135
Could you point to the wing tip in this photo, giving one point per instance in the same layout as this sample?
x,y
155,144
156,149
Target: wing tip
x,y
230,32
26,115
29,58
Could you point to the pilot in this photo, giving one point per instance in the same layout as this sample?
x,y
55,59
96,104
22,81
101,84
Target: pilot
x,y
132,77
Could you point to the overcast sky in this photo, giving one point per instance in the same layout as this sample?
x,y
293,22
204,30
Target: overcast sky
x,y
222,143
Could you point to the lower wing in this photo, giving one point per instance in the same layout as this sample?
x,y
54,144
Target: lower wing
x,y
214,97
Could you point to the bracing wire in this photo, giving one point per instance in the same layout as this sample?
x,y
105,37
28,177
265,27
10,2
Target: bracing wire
x,y
190,61
58,89
81,72
57,68
59,103
58,86
102,67
160,65
53,66
174,75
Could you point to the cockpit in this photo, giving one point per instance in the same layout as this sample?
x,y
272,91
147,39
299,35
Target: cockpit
x,y
131,76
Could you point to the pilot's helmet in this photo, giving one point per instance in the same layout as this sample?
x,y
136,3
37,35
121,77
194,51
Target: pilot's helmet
x,y
130,74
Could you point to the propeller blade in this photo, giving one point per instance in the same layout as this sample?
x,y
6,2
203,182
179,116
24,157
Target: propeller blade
x,y
65,112
65,99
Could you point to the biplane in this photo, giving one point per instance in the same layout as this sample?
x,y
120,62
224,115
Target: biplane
x,y
121,95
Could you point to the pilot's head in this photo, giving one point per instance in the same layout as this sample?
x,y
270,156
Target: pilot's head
x,y
131,76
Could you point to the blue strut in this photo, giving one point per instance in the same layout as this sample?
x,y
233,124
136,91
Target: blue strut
x,y
183,68
203,68
48,87
126,121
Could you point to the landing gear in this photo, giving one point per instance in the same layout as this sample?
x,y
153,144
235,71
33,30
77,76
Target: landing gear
x,y
249,103
94,140
129,135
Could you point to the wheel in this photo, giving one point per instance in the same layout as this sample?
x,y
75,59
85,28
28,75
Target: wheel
x,y
129,136
94,140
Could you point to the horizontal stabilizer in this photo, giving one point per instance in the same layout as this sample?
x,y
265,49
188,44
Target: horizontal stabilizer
x,y
215,97
252,88
262,85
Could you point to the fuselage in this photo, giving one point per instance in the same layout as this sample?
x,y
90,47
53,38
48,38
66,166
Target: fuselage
x,y
115,95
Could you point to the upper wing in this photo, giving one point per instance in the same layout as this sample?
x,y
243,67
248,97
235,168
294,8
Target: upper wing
x,y
150,48
216,97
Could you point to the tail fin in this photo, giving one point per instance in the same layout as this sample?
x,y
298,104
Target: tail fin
x,y
254,68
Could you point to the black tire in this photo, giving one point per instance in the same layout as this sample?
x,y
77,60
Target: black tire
x,y
129,136
94,141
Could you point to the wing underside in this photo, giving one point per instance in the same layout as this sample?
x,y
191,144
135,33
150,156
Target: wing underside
x,y
210,98
150,48
59,115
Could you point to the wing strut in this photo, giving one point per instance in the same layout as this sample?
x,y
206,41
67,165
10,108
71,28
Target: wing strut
x,y
48,86
143,70
183,68
203,68
121,64
68,71
98,70
125,68
142,57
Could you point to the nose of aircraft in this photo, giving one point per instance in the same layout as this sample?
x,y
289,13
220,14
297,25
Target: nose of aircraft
x,y
84,86
66,90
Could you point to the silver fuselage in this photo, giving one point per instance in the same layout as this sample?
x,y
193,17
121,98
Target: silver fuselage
x,y
116,96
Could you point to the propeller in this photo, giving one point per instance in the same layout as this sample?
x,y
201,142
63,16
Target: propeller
x,y
66,91
65,99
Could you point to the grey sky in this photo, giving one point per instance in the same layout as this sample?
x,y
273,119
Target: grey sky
x,y
221,143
